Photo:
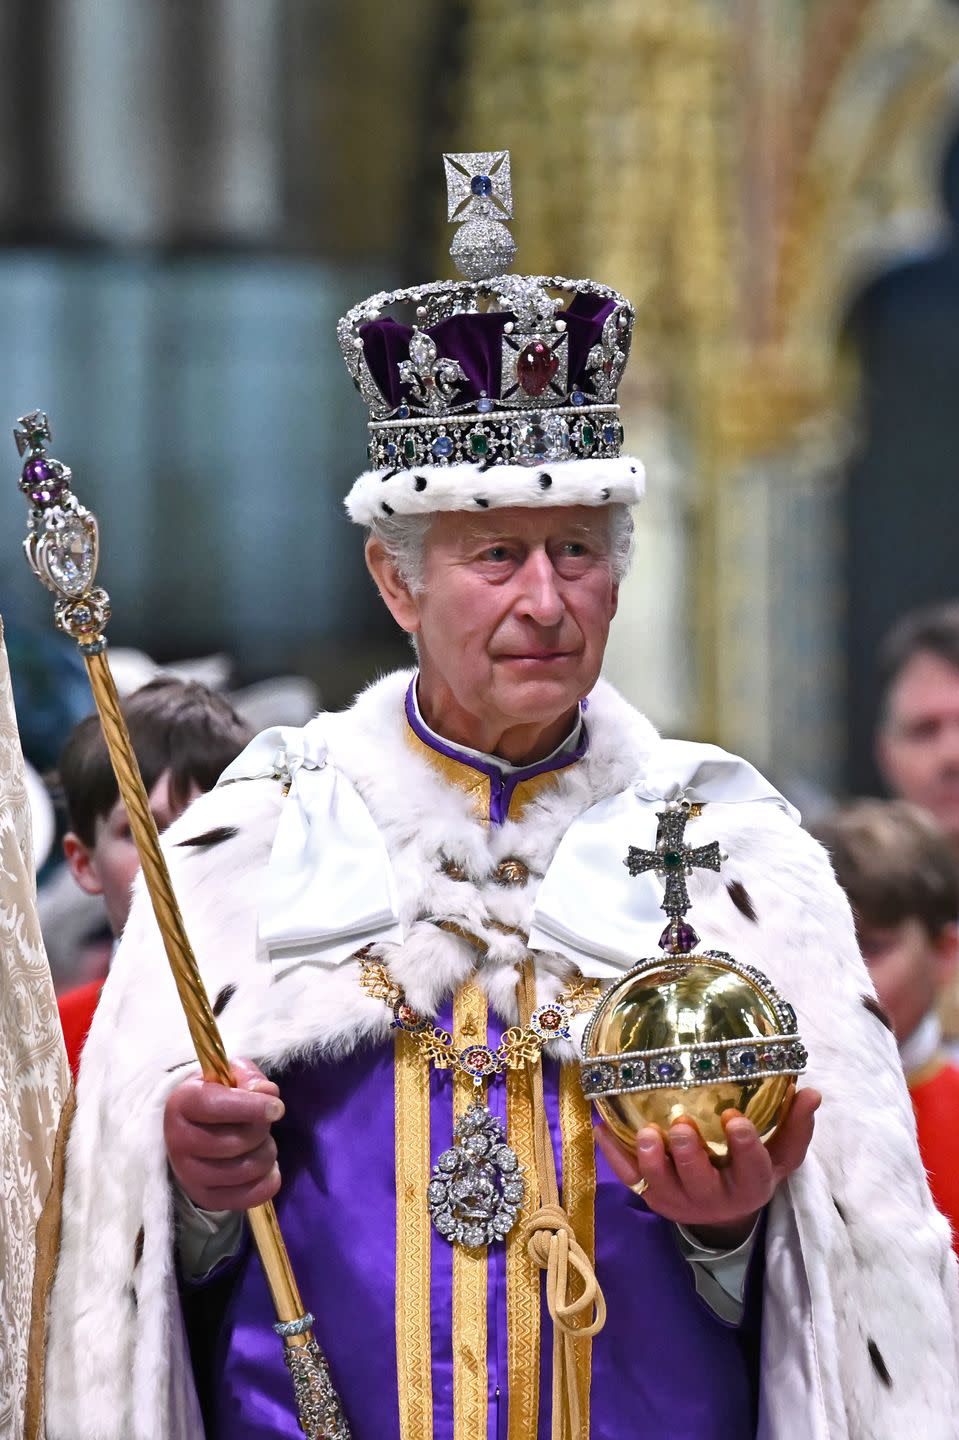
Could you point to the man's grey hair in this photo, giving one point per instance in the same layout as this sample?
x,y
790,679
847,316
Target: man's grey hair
x,y
403,537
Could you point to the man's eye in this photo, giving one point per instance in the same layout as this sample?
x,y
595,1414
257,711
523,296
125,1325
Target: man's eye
x,y
496,553
873,947
573,552
922,730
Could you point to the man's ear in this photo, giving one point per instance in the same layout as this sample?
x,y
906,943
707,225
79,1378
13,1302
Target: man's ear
x,y
393,589
947,953
81,864
884,756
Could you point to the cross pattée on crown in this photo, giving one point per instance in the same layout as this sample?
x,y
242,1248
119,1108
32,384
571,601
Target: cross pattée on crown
x,y
478,184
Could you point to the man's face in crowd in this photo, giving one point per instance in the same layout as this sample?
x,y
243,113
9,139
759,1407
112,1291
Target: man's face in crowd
x,y
512,624
918,745
908,968
108,867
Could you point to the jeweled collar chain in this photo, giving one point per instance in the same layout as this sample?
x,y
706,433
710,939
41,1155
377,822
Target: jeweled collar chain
x,y
520,1045
477,1189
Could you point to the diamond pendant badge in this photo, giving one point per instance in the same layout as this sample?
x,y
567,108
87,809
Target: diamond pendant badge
x,y
477,1188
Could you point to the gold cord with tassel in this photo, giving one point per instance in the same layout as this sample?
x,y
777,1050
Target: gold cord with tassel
x,y
552,1244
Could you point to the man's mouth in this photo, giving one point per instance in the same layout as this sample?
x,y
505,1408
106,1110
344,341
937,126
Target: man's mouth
x,y
948,789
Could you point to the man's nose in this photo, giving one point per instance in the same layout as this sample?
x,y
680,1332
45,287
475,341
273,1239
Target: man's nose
x,y
541,599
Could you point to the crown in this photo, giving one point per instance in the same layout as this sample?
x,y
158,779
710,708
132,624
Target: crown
x,y
494,370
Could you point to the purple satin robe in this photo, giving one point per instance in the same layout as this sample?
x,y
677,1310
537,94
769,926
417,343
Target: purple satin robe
x,y
664,1367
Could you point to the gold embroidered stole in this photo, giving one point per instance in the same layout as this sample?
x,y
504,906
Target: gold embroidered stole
x,y
522,1274
414,1360
470,1368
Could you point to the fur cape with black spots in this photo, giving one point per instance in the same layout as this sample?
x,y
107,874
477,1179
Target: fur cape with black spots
x,y
860,1297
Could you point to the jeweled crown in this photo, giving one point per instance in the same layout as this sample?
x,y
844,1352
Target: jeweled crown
x,y
497,368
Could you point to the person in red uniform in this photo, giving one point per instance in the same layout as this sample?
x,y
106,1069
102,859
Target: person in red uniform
x,y
184,736
900,872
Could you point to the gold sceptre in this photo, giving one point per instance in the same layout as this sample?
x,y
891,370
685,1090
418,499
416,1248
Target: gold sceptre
x,y
62,548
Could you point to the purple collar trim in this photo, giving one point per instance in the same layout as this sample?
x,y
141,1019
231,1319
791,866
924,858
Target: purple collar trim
x,y
501,783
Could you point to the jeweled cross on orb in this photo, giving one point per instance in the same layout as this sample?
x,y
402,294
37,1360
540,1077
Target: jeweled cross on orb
x,y
673,860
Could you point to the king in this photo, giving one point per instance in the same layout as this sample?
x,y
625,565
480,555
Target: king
x,y
404,914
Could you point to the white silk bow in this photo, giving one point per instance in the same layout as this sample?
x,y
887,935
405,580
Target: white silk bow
x,y
589,907
330,886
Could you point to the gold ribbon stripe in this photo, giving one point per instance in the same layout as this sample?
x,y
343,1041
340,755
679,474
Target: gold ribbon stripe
x,y
414,1361
579,1202
522,1274
470,1376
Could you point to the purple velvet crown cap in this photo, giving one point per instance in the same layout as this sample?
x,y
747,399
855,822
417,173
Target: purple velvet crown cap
x,y
476,341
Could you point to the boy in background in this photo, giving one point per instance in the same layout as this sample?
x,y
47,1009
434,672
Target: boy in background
x,y
183,736
900,872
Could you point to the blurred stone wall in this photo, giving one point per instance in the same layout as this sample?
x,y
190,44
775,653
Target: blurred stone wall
x,y
190,195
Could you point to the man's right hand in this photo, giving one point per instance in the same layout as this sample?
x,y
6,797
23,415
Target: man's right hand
x,y
218,1139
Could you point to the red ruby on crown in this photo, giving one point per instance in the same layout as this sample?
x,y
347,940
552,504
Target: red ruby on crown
x,y
536,367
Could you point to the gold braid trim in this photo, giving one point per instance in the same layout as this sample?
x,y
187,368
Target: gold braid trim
x,y
579,1202
414,1360
522,1275
470,1372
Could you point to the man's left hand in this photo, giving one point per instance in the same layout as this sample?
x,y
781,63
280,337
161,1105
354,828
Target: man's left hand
x,y
719,1206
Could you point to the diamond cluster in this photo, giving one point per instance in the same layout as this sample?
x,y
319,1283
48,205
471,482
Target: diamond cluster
x,y
477,1188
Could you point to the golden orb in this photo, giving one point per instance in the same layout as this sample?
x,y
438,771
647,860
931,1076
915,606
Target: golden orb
x,y
688,1037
